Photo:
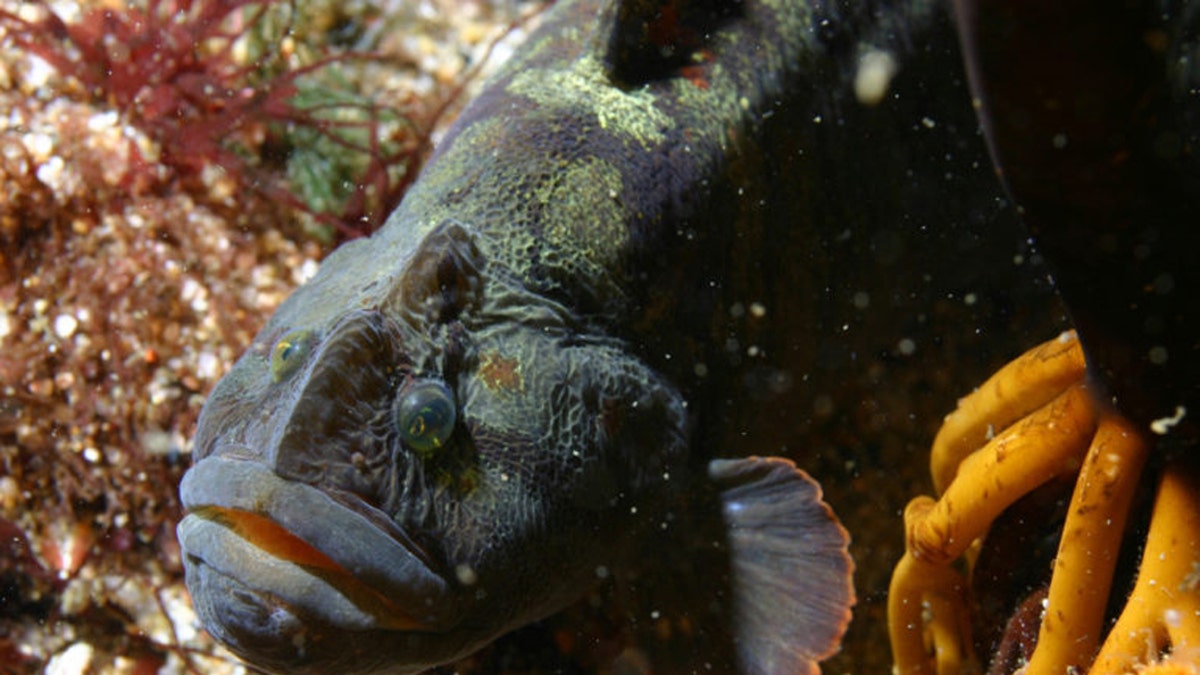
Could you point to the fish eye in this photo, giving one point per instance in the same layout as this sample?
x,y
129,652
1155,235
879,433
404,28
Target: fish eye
x,y
425,413
290,353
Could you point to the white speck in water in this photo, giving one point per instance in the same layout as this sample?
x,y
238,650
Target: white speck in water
x,y
1164,424
1158,355
906,346
928,122
862,300
466,575
876,68
1059,141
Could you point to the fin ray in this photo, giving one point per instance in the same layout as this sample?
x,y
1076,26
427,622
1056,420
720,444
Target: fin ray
x,y
791,568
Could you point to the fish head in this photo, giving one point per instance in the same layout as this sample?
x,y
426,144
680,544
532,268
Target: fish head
x,y
395,478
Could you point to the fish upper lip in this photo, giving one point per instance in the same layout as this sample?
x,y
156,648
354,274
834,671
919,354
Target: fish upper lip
x,y
386,561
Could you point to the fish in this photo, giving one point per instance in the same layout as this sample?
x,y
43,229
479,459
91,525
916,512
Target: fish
x,y
461,420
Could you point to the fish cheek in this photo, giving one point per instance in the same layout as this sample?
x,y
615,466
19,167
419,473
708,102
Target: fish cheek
x,y
639,423
615,427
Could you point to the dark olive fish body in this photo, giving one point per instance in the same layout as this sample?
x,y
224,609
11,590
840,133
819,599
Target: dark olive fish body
x,y
448,431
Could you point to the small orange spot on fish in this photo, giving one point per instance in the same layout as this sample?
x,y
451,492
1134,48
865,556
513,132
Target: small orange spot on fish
x,y
697,75
499,372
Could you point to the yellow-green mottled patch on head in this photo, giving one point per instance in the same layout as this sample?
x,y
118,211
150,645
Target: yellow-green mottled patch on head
x,y
586,87
585,214
472,148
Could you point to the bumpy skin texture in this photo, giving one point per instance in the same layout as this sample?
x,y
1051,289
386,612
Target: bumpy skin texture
x,y
514,274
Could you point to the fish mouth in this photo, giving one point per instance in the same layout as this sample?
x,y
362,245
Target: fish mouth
x,y
286,549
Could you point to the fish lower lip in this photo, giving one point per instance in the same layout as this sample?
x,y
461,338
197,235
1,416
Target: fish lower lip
x,y
278,576
245,516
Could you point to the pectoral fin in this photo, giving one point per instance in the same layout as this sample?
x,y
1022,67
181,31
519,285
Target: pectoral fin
x,y
791,571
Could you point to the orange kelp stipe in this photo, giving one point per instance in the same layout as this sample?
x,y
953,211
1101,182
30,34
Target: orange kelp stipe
x,y
1087,553
1035,420
1164,609
928,621
1027,383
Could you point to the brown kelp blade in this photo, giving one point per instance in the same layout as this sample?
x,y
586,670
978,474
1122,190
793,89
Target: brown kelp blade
x,y
1089,112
